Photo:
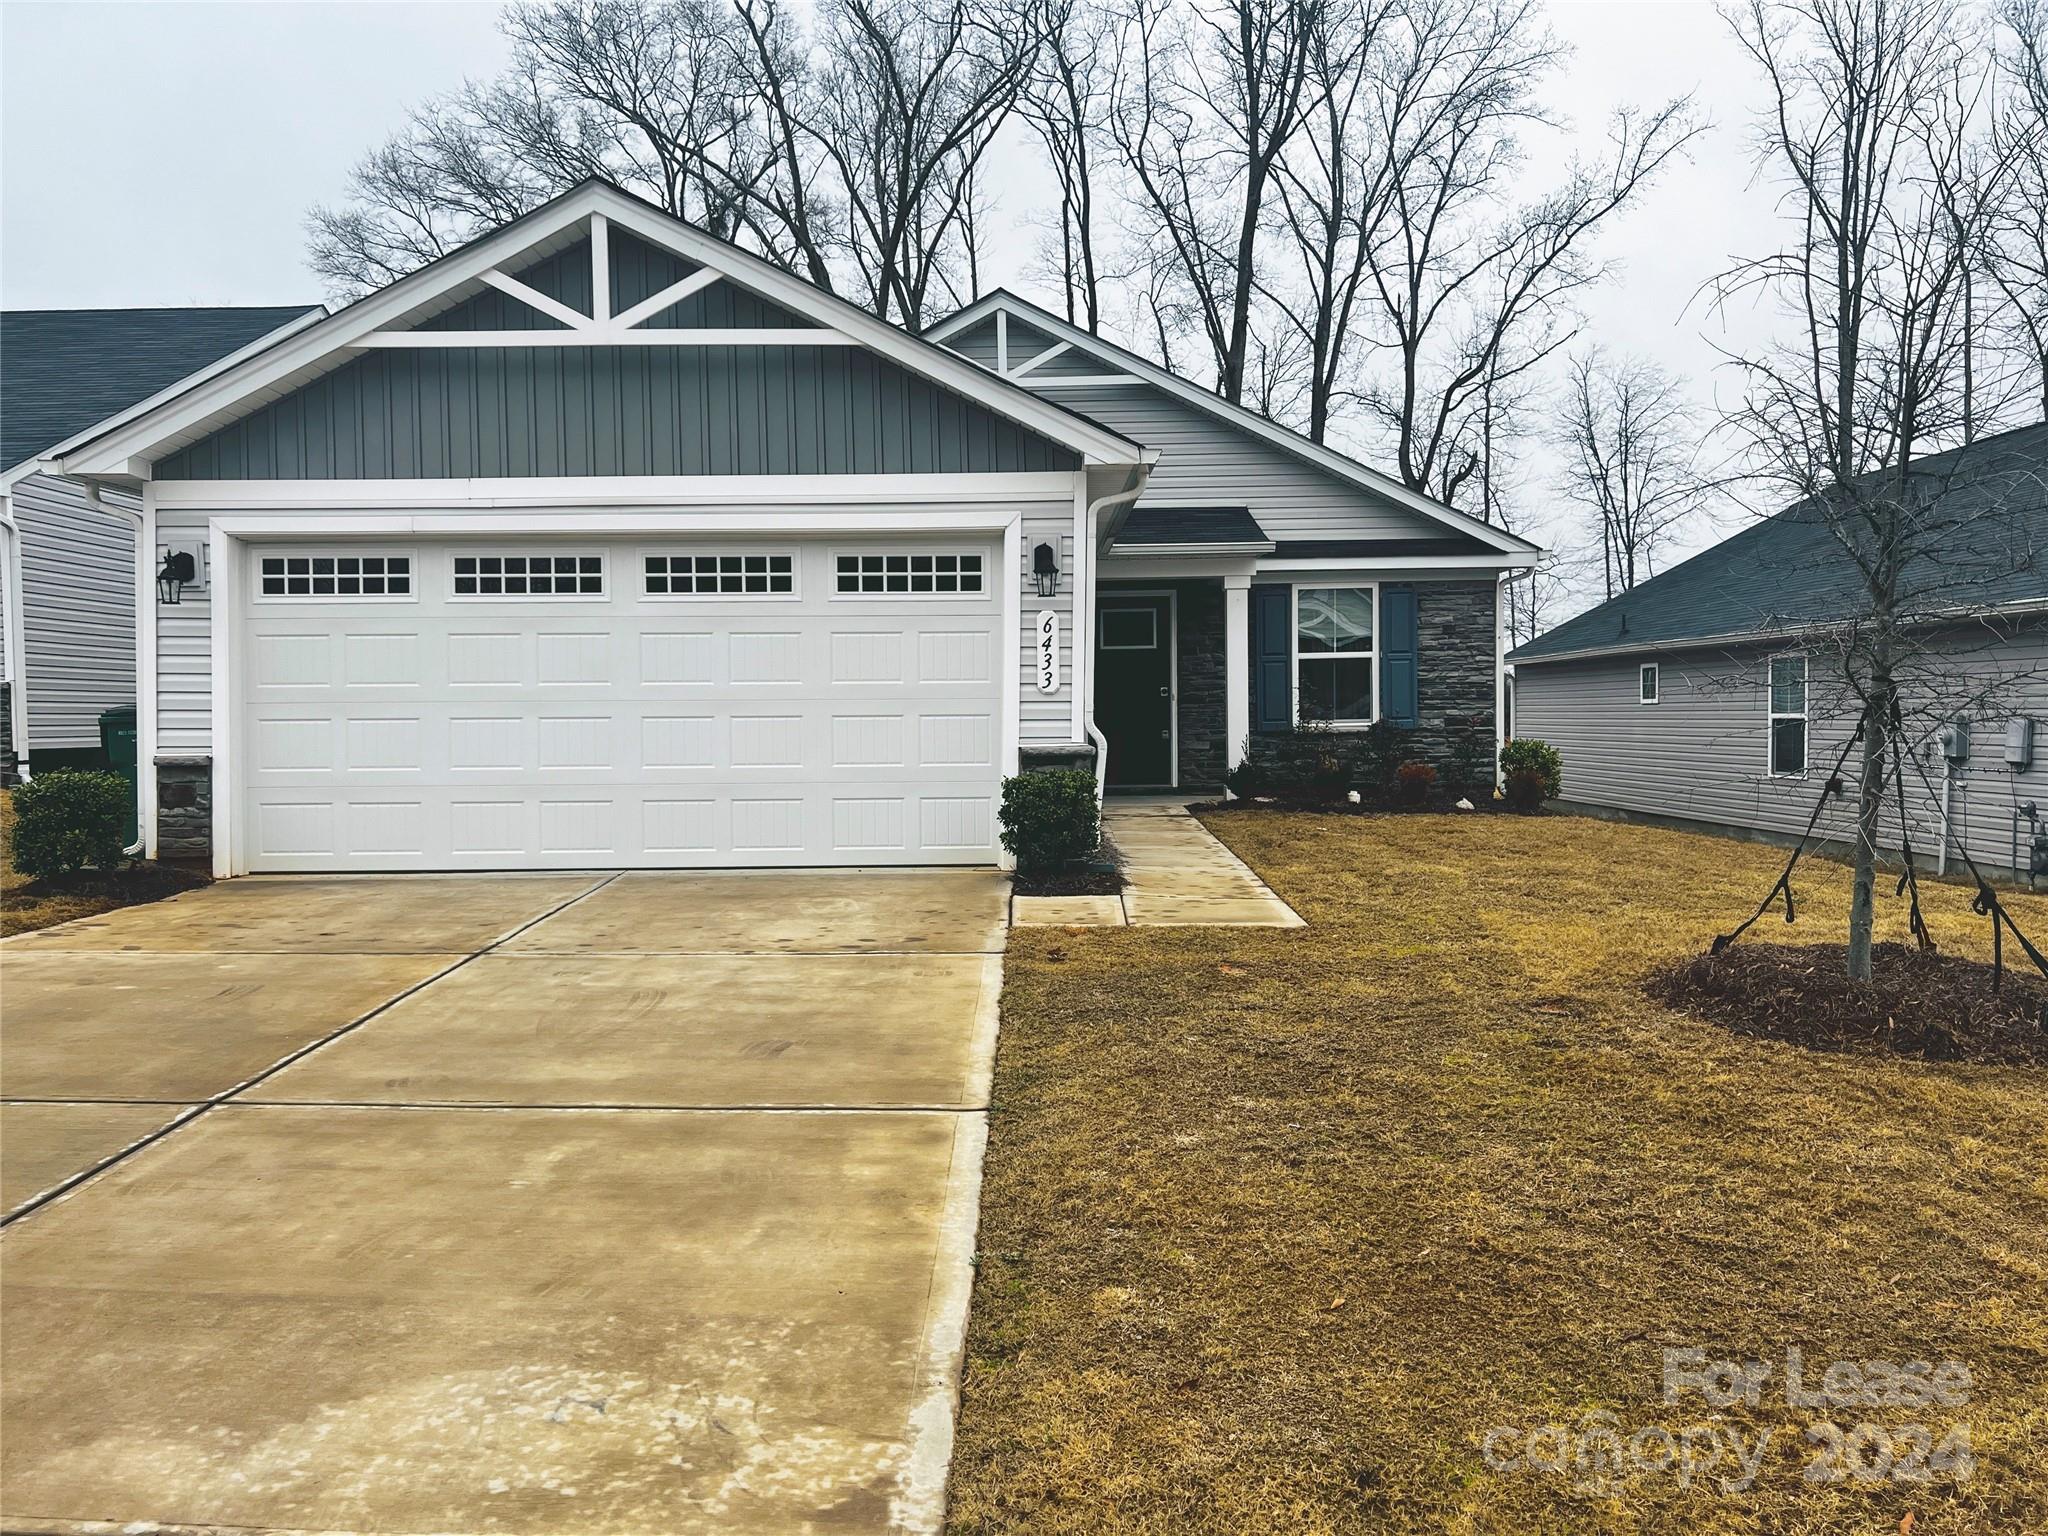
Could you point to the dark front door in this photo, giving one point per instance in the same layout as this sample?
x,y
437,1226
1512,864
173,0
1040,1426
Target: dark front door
x,y
1134,687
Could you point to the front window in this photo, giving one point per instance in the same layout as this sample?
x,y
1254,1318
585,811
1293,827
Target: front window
x,y
1788,714
1333,654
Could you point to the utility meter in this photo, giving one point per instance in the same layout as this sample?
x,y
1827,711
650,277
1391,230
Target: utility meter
x,y
2019,743
1955,741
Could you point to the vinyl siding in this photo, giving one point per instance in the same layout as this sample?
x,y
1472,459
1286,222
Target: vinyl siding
x,y
1203,460
185,639
1701,752
561,411
77,610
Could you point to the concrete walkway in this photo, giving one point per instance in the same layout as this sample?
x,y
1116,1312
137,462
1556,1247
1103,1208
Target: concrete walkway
x,y
1176,874
578,1204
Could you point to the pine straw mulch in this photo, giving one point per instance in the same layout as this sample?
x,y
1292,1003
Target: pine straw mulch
x,y
26,905
1277,1224
1919,1003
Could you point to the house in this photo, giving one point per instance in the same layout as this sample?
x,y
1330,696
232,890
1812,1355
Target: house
x,y
67,561
1713,695
599,542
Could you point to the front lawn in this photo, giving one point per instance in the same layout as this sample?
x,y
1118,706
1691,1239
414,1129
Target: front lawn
x,y
1278,1225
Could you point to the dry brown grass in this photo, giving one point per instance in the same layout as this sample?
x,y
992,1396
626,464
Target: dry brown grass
x,y
27,904
1277,1225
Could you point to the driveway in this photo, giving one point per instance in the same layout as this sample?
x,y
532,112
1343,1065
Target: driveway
x,y
603,1203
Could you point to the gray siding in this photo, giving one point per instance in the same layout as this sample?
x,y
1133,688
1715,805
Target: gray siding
x,y
563,411
185,640
1701,753
77,610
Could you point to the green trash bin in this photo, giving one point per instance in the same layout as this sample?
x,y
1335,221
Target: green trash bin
x,y
117,740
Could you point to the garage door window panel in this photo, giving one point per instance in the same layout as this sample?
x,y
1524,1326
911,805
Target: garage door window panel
x,y
282,576
523,575
746,574
910,574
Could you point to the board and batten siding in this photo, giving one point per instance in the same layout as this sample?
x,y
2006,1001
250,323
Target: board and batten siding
x,y
185,634
77,610
1701,752
1204,460
512,412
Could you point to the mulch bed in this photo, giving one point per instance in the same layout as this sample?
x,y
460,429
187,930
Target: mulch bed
x,y
1072,882
1487,806
139,882
1926,1005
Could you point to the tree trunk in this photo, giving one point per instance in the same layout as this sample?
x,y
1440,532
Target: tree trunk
x,y
1869,814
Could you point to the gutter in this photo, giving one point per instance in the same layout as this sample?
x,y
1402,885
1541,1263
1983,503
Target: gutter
x,y
145,617
1801,632
15,641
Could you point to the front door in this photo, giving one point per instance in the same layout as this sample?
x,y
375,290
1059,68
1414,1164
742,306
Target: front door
x,y
1134,688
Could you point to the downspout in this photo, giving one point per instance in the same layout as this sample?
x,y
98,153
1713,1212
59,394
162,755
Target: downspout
x,y
15,640
1087,615
145,614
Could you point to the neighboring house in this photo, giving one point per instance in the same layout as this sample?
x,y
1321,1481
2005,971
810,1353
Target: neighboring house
x,y
1713,694
67,564
599,542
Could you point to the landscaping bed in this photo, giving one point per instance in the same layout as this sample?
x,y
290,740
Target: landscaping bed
x,y
1278,1226
27,904
1918,1003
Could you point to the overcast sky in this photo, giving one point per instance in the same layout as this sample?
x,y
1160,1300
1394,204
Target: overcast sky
x,y
155,154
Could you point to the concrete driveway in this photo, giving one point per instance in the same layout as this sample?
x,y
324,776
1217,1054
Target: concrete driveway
x,y
608,1203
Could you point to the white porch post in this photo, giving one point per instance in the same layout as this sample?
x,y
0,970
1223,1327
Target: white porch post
x,y
1237,681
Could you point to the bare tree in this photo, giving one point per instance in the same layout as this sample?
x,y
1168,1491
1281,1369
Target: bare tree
x,y
1207,96
1066,102
1632,457
2017,260
1873,132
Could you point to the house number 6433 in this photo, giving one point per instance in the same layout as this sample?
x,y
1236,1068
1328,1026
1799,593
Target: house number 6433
x,y
1048,651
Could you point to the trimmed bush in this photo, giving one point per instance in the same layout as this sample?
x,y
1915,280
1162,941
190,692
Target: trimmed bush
x,y
67,819
1050,820
1415,780
1538,757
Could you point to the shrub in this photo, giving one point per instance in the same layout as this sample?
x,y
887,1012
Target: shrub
x,y
1538,757
1415,780
1250,778
1050,820
1525,790
68,818
1305,767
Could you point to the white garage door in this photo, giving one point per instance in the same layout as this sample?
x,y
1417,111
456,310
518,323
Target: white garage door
x,y
520,704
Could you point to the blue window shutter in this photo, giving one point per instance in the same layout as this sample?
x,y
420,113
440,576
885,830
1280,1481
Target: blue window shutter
x,y
1272,658
1398,702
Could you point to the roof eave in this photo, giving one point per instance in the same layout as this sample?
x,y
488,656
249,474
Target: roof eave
x,y
1778,636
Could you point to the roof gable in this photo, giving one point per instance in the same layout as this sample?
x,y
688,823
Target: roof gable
x,y
635,302
1789,572
1050,355
63,371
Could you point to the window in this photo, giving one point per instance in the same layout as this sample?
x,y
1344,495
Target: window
x,y
529,575
720,575
909,573
1646,683
1788,714
334,575
1334,666
1130,629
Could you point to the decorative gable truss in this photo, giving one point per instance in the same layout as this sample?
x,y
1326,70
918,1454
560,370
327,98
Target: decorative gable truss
x,y
606,316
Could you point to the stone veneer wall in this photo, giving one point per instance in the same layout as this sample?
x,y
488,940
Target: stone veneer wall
x,y
9,764
184,808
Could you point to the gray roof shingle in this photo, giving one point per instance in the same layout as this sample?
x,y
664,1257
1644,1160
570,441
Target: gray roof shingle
x,y
1151,526
64,370
1788,570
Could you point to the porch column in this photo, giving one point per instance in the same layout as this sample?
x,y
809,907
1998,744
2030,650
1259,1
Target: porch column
x,y
1237,667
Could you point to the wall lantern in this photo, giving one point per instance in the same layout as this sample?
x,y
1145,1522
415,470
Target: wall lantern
x,y
178,572
1045,569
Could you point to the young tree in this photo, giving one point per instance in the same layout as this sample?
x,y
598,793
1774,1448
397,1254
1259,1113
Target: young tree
x,y
2017,258
1873,130
1631,461
1206,97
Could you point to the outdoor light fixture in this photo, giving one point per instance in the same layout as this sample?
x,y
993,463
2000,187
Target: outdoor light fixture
x,y
1045,569
177,573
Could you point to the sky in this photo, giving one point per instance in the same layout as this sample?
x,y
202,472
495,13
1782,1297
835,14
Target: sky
x,y
167,153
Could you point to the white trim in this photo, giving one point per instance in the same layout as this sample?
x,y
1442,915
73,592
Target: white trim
x,y
1432,564
532,298
1237,679
284,366
1083,380
1002,343
1046,356
1294,591
601,491
1172,671
1772,715
674,293
1647,672
13,633
600,270
1079,650
783,337
224,556
1329,459
1013,675
146,646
